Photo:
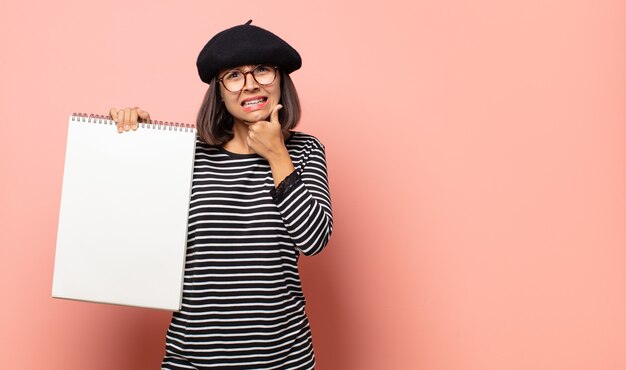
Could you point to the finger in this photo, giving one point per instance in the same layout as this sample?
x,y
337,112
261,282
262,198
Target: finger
x,y
133,119
113,114
126,119
253,126
274,117
145,116
250,143
120,121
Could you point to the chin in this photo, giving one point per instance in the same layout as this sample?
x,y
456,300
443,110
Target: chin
x,y
260,115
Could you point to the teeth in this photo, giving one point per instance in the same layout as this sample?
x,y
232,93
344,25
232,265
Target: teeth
x,y
252,102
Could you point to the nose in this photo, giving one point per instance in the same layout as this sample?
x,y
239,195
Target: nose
x,y
249,82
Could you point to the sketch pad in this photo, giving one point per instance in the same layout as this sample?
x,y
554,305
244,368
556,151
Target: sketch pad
x,y
122,230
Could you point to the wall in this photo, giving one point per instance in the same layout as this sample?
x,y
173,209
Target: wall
x,y
476,158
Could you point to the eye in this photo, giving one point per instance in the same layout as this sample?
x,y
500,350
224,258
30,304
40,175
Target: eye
x,y
231,75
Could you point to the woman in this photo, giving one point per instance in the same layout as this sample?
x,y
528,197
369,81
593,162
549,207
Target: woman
x,y
259,198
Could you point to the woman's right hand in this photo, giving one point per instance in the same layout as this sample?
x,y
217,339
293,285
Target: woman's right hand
x,y
127,118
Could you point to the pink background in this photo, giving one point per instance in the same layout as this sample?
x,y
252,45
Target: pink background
x,y
476,155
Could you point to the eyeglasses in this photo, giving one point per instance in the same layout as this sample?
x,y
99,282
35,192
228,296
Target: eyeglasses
x,y
234,80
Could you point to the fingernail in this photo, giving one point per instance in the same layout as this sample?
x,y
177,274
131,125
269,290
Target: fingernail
x,y
126,127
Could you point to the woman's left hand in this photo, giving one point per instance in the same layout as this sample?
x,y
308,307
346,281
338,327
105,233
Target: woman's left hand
x,y
266,137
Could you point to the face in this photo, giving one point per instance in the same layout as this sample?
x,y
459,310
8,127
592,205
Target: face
x,y
254,102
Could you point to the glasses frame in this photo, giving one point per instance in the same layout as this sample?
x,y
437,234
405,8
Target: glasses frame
x,y
245,76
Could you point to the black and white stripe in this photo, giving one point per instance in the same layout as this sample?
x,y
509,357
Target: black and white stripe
x,y
243,306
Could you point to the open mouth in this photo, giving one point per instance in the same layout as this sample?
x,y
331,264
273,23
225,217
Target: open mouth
x,y
249,103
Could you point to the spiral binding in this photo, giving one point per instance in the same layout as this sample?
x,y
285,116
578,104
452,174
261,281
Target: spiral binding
x,y
151,124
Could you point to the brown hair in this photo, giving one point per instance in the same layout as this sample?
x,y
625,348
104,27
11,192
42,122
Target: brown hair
x,y
215,123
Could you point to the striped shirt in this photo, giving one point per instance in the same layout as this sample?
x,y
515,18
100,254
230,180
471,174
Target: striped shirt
x,y
243,305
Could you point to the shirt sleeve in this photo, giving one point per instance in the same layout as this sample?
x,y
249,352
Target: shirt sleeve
x,y
303,200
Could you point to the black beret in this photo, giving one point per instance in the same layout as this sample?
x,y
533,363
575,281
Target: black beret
x,y
245,44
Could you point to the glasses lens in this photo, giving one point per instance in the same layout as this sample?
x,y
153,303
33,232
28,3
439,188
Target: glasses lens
x,y
233,80
264,74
